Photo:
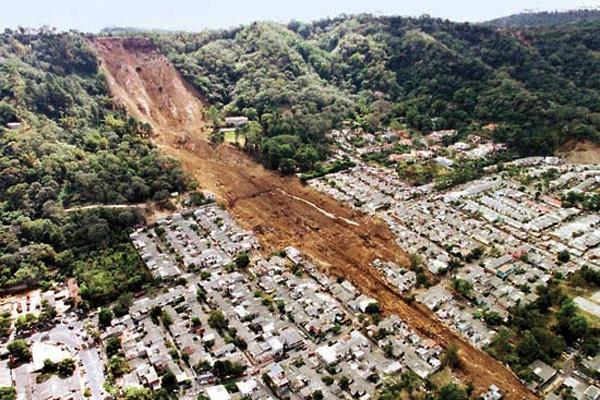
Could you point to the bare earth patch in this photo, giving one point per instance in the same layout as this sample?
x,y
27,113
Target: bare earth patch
x,y
584,152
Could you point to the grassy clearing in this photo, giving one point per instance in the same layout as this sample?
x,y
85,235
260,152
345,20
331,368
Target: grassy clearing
x,y
233,137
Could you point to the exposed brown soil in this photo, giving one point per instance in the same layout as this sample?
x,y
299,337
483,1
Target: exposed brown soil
x,y
342,240
582,152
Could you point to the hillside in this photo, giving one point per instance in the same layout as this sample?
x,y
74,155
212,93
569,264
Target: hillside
x,y
73,148
539,86
545,18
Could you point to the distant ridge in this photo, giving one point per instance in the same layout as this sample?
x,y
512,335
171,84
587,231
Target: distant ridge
x,y
546,18
131,31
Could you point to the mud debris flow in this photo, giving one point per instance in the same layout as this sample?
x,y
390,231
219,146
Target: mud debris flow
x,y
279,209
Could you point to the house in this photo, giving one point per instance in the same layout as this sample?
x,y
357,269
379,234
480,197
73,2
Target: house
x,y
543,373
591,393
236,121
291,339
327,355
592,365
56,388
217,392
493,393
247,388
505,270
279,382
293,254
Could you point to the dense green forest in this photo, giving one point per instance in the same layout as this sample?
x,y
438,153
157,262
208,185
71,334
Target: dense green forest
x,y
540,86
73,148
546,18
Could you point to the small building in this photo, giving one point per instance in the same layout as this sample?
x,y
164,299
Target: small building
x,y
217,392
236,121
591,393
544,374
13,125
505,270
327,355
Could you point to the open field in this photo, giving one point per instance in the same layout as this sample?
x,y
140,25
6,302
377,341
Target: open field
x,y
280,210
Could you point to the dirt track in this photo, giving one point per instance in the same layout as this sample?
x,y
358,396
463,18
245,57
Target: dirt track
x,y
280,210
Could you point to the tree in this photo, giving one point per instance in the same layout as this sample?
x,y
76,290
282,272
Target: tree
x,y
218,321
169,381
452,391
65,367
344,382
242,260
492,318
105,317
119,310
463,287
452,356
19,350
8,393
138,393
118,365
113,346
528,348
227,369
373,308
166,319
563,256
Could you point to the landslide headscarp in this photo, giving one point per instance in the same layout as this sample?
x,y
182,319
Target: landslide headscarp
x,y
148,86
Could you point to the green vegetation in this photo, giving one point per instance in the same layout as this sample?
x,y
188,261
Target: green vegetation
x,y
325,169
5,324
242,260
585,277
295,82
225,370
29,321
64,368
542,330
218,321
546,18
118,365
105,316
587,201
138,393
74,148
8,393
107,274
19,350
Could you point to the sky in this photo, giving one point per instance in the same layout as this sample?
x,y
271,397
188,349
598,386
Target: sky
x,y
195,15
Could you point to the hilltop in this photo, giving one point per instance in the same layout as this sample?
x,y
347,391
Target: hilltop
x,y
546,18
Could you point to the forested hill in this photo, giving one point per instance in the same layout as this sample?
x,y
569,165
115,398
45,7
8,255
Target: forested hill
x,y
546,18
73,147
540,86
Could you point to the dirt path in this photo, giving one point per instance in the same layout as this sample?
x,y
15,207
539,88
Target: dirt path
x,y
280,210
91,206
